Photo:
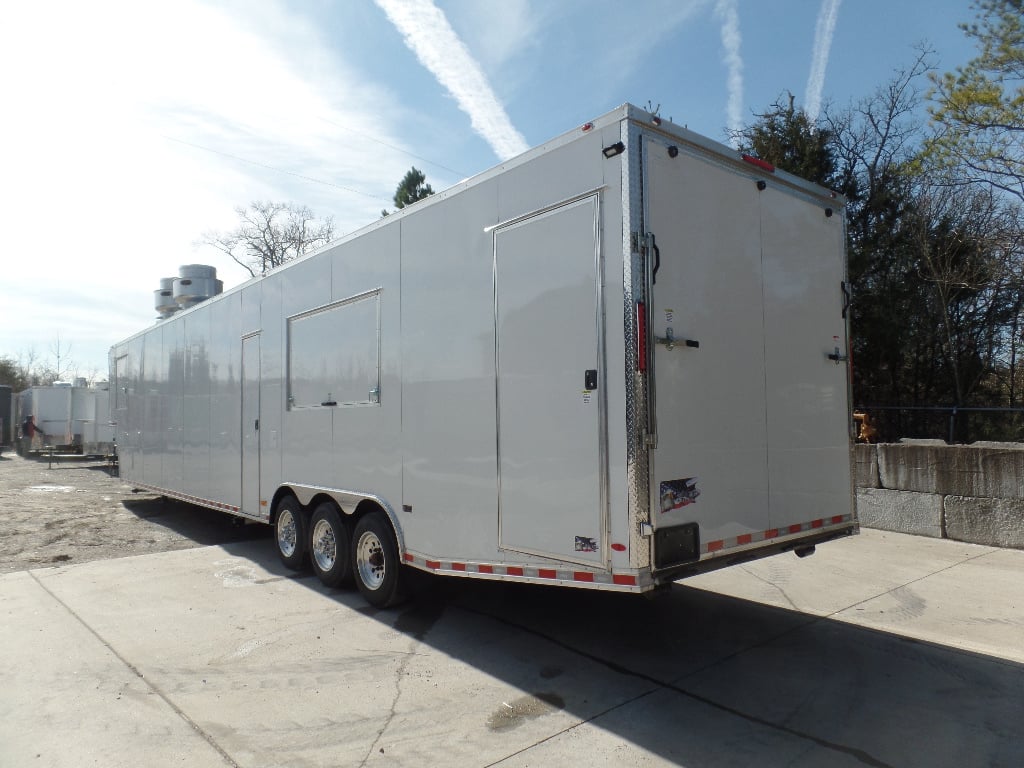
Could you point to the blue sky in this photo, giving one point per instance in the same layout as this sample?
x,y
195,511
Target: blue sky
x,y
131,128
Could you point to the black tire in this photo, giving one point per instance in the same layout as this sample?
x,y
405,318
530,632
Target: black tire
x,y
375,564
330,548
291,533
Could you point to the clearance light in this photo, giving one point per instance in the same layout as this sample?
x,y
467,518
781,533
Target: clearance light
x,y
764,165
588,127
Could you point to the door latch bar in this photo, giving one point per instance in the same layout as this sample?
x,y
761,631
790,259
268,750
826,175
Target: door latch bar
x,y
671,342
838,357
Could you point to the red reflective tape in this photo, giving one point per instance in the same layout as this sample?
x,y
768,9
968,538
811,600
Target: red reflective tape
x,y
817,523
547,573
408,557
795,528
771,533
458,566
514,571
583,576
485,568
624,579
837,520
744,539
714,546
435,564
641,337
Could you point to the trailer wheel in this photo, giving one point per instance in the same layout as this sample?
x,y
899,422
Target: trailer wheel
x,y
330,546
375,561
290,532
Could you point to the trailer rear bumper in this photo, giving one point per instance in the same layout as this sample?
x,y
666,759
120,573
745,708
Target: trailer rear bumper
x,y
801,542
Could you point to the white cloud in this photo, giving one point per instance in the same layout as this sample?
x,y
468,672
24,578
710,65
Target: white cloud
x,y
497,32
105,190
731,43
823,32
429,35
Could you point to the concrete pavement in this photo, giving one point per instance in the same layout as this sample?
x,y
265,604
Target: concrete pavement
x,y
881,650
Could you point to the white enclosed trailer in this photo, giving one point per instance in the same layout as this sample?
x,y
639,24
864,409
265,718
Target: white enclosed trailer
x,y
96,428
70,418
612,361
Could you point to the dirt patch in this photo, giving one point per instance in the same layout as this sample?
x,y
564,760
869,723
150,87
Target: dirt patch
x,y
77,510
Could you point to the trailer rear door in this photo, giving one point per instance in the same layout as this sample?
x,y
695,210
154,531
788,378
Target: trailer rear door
x,y
807,393
710,464
749,412
549,390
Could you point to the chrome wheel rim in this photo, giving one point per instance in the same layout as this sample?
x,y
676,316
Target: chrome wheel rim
x,y
370,560
287,533
325,545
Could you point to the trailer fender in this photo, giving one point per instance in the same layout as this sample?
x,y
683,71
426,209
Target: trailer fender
x,y
349,502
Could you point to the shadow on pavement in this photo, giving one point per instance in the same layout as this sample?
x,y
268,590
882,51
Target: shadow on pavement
x,y
703,679
201,525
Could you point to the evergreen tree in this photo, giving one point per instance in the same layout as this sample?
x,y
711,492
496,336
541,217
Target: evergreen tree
x,y
411,188
978,110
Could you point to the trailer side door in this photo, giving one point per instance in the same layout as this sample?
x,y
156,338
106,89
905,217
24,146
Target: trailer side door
x,y
549,384
251,425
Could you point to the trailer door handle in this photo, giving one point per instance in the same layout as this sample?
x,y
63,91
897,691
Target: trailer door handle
x,y
657,260
590,379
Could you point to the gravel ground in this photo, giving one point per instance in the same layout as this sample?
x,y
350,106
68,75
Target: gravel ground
x,y
78,510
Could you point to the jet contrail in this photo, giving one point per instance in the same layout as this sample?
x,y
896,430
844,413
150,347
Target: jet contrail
x,y
428,34
823,32
731,41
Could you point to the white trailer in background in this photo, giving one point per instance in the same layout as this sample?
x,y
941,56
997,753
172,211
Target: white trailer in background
x,y
610,362
96,428
70,418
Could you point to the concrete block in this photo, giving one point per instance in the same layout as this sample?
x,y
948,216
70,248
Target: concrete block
x,y
865,458
952,470
994,522
900,511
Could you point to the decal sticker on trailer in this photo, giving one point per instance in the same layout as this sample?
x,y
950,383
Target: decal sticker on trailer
x,y
586,544
676,494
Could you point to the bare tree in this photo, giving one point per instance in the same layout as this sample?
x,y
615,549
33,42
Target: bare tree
x,y
968,255
270,234
61,353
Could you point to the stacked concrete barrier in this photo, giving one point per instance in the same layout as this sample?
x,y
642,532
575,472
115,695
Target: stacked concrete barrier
x,y
972,493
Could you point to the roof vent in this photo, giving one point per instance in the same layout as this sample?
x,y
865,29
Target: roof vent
x,y
163,299
196,283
